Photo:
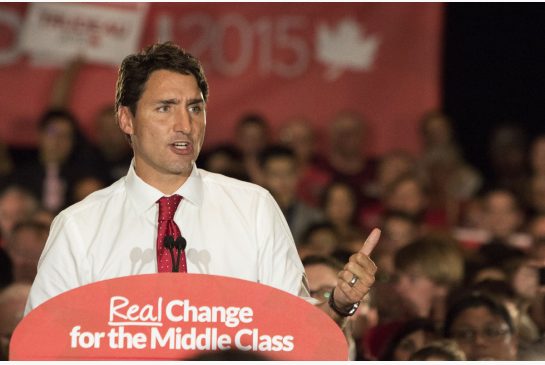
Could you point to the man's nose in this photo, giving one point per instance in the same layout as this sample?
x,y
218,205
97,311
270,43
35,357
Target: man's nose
x,y
182,122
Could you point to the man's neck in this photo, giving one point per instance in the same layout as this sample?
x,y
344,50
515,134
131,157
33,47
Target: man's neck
x,y
167,184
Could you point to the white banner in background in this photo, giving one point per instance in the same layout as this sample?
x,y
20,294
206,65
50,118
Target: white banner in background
x,y
96,32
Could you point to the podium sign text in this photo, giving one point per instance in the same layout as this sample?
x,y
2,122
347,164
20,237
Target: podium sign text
x,y
176,316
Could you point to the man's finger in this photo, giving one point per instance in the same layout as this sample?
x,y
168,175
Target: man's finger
x,y
371,242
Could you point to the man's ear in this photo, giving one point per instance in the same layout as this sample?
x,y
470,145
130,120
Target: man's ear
x,y
125,120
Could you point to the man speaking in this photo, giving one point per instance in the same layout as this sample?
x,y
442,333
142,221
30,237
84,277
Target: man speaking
x,y
168,215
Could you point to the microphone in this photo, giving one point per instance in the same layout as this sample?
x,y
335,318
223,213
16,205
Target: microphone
x,y
180,244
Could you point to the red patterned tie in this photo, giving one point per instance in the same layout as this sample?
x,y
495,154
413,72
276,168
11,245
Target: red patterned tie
x,y
167,227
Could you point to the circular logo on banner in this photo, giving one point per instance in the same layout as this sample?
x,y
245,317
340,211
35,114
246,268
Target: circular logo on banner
x,y
175,316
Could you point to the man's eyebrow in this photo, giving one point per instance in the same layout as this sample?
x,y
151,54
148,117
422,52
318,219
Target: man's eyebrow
x,y
195,101
168,101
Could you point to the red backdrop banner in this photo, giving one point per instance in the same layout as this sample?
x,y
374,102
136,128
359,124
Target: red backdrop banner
x,y
278,59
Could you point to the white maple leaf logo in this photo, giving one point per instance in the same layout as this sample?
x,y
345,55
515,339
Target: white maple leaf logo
x,y
345,47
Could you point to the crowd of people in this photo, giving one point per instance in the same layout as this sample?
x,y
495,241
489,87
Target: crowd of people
x,y
460,255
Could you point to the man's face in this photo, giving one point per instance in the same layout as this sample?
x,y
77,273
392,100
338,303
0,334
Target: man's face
x,y
417,289
483,335
167,131
501,216
57,141
321,280
281,178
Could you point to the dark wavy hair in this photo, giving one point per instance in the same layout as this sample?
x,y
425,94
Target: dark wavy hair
x,y
136,69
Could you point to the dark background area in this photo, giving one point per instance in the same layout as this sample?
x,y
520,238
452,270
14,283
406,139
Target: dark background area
x,y
494,71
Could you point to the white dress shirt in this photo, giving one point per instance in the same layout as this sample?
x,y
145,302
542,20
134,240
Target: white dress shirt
x,y
232,228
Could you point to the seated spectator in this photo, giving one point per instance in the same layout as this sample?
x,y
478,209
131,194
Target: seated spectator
x,y
280,174
440,350
503,217
224,159
321,273
410,337
482,327
299,135
12,306
112,144
398,230
16,205
427,270
24,247
84,186
503,292
347,161
390,168
340,208
252,135
63,156
43,216
318,239
450,179
410,195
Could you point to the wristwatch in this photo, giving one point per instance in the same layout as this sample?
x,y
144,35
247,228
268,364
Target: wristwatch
x,y
341,312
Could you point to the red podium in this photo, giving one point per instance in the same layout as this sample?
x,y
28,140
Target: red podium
x,y
174,317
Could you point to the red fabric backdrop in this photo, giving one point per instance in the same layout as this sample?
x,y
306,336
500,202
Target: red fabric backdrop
x,y
381,59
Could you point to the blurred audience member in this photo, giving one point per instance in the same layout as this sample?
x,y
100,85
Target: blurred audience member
x,y
339,205
503,292
224,159
321,272
391,166
347,161
12,306
24,246
280,173
112,144
63,155
410,337
252,135
84,186
508,161
451,180
503,218
299,135
318,239
43,216
410,195
427,269
482,327
440,350
398,230
16,205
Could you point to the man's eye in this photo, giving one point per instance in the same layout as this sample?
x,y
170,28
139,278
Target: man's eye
x,y
195,109
163,108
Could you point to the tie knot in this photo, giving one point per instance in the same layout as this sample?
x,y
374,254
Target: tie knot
x,y
168,206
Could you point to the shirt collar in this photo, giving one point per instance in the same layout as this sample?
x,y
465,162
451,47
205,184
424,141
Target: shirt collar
x,y
145,196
